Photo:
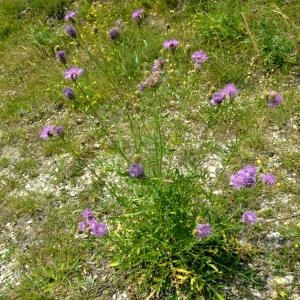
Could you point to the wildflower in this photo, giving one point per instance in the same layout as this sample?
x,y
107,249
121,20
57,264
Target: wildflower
x,y
136,170
249,217
268,179
70,15
199,58
114,33
229,91
47,132
61,56
142,86
171,44
87,214
158,64
69,93
71,31
59,130
73,73
83,226
274,99
245,177
137,15
203,230
98,229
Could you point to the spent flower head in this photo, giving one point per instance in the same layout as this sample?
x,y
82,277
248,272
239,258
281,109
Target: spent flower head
x,y
71,31
69,93
203,230
114,33
73,73
61,56
268,179
249,217
246,177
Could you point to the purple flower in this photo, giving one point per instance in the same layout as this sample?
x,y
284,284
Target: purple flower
x,y
136,170
216,99
70,15
87,214
137,15
199,57
114,33
69,93
71,31
245,177
59,130
229,90
203,230
47,132
142,86
98,229
249,217
61,56
268,179
73,73
274,99
83,226
158,64
171,44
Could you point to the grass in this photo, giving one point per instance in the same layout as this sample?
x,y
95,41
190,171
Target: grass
x,y
188,149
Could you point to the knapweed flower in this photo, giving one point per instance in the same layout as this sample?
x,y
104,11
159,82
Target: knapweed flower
x,y
138,15
268,179
70,15
87,214
199,58
158,64
71,31
114,33
229,91
83,226
47,131
245,177
136,170
98,229
69,93
73,73
249,217
274,99
61,56
203,230
171,44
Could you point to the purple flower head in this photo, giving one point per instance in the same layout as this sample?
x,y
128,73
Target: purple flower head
x,y
59,130
136,170
268,179
73,73
83,226
87,214
199,57
47,132
274,99
137,15
249,217
61,56
70,15
229,90
98,229
171,44
114,33
203,230
245,177
71,31
69,93
217,98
